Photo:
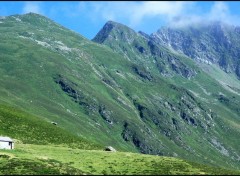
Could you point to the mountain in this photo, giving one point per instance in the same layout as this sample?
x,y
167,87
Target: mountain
x,y
212,43
188,113
122,89
137,47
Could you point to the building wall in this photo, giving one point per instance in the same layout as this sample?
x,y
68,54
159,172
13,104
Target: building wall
x,y
5,145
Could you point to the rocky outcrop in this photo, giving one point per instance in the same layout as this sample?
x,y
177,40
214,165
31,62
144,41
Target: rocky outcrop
x,y
141,48
213,43
140,71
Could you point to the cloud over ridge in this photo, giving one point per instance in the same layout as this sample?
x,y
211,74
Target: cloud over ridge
x,y
32,7
178,13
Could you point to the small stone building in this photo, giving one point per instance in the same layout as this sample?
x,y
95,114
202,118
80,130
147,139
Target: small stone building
x,y
6,143
110,149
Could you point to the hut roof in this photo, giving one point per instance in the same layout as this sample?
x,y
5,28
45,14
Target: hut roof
x,y
5,139
110,148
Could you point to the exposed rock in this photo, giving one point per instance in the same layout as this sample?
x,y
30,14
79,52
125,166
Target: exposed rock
x,y
126,133
210,43
142,73
70,88
105,114
139,48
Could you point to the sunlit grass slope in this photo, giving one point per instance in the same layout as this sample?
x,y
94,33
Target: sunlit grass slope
x,y
42,159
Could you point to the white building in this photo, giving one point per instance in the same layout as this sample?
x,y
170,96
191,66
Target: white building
x,y
6,143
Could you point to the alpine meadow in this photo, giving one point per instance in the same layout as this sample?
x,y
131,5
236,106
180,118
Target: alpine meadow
x,y
168,102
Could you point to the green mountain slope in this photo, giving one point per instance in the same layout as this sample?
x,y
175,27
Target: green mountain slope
x,y
201,109
28,128
135,103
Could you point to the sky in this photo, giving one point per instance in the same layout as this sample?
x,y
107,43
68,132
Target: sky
x,y
88,17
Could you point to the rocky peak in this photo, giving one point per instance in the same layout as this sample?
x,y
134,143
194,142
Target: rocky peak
x,y
114,31
32,14
115,24
210,43
104,32
139,47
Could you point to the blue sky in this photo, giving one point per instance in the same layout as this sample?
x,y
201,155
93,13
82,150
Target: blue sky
x,y
88,17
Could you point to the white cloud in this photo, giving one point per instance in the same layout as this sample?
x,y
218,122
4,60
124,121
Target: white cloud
x,y
164,9
32,7
218,12
135,12
174,13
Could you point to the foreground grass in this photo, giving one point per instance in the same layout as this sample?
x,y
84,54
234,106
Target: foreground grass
x,y
50,159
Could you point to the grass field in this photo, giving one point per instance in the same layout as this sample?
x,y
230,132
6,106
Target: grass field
x,y
57,159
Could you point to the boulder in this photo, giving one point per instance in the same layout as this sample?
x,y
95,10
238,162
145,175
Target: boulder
x,y
110,149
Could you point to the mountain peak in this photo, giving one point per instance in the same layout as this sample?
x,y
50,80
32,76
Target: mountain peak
x,y
35,19
32,13
110,22
113,29
205,42
28,15
116,24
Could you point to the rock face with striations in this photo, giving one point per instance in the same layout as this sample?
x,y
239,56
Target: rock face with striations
x,y
139,47
211,43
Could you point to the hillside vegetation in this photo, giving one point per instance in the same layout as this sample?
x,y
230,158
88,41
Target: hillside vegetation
x,y
41,159
30,129
122,89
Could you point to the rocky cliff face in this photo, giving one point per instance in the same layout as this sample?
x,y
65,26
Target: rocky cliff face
x,y
213,43
139,47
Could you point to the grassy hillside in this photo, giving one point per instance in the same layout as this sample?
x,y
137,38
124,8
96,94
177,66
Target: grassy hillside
x,y
41,159
30,129
159,105
207,107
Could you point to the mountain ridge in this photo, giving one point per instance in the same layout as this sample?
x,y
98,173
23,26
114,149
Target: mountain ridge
x,y
128,92
142,45
213,43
